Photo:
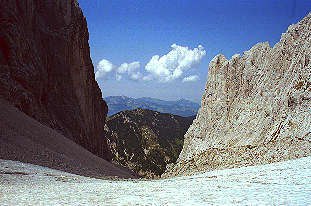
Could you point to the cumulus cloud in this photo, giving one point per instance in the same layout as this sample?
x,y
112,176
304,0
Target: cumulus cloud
x,y
172,65
191,78
118,77
164,68
103,68
136,76
147,78
130,69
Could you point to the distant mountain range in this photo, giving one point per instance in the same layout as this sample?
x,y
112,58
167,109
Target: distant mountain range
x,y
180,107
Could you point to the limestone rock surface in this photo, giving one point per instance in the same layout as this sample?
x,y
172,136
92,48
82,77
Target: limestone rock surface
x,y
258,101
46,70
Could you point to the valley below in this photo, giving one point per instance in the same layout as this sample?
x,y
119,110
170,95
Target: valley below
x,y
283,183
145,141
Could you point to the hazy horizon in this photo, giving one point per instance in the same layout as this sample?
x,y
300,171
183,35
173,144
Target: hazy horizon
x,y
198,102
162,49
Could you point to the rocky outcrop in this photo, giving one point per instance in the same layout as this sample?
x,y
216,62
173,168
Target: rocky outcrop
x,y
146,141
46,70
259,102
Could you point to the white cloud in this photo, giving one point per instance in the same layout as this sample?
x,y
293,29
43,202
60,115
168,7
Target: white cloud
x,y
136,76
166,68
118,77
122,68
191,78
103,67
172,65
147,78
130,69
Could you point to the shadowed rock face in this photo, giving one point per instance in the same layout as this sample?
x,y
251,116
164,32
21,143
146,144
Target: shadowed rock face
x,y
24,139
46,70
146,141
259,101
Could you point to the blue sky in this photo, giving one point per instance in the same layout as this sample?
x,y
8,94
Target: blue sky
x,y
141,33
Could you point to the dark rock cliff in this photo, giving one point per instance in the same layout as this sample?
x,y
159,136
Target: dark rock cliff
x,y
46,70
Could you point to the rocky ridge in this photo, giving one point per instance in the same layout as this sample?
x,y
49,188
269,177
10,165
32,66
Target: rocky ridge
x,y
255,109
145,141
46,70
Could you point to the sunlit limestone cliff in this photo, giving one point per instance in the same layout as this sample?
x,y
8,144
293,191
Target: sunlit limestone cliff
x,y
256,108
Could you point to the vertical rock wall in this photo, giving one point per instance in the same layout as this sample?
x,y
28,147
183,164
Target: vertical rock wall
x,y
46,70
260,102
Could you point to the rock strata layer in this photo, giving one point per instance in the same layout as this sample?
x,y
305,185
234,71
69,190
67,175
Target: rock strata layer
x,y
259,102
145,141
46,70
